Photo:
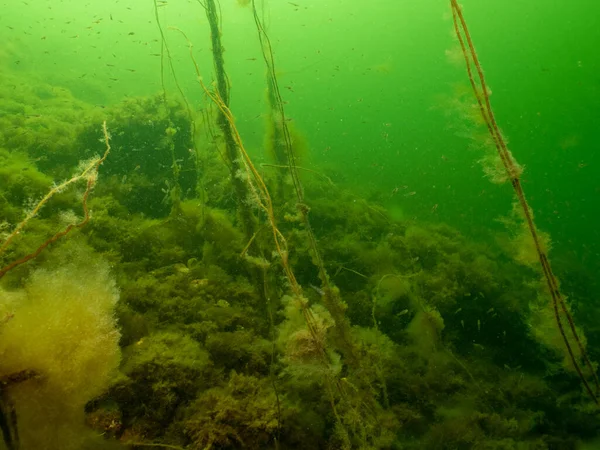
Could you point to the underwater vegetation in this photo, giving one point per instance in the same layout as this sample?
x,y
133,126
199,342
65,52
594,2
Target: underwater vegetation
x,y
172,293
513,172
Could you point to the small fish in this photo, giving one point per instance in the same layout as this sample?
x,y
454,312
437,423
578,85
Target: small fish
x,y
402,313
7,317
181,268
199,282
319,291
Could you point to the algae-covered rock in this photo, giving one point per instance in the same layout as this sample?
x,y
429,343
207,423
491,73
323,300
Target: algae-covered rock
x,y
164,371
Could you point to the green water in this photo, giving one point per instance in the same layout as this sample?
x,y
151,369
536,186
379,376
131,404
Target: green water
x,y
370,86
379,93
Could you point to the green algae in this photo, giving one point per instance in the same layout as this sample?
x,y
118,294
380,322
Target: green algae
x,y
448,341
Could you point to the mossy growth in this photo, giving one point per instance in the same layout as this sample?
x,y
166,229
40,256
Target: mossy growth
x,y
21,183
162,373
44,121
151,142
243,413
443,330
62,328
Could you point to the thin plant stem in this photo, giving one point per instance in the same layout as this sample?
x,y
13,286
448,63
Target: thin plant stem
x,y
90,173
513,171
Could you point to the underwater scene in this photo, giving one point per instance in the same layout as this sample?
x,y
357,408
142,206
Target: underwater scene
x,y
308,224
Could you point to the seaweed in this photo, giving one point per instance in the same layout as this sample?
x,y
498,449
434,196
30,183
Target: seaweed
x,y
324,322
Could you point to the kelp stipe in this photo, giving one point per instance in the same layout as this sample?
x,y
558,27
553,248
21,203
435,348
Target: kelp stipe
x,y
513,173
